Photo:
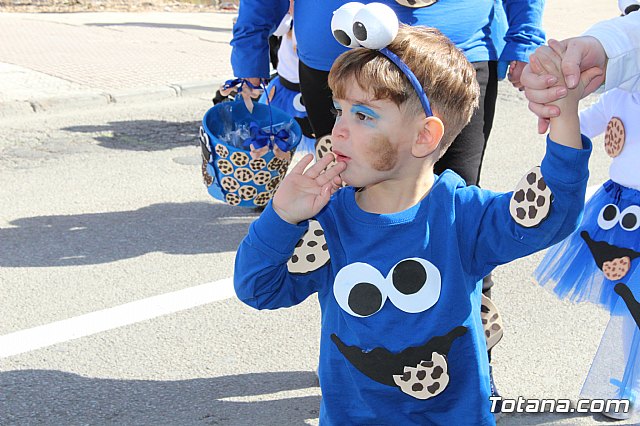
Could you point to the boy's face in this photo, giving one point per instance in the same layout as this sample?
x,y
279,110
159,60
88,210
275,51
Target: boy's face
x,y
373,137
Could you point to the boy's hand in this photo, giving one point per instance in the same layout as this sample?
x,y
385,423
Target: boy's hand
x,y
302,194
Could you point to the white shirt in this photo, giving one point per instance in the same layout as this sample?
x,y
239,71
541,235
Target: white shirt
x,y
625,168
620,38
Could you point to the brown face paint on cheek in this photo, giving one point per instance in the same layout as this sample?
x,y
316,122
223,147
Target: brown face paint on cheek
x,y
382,154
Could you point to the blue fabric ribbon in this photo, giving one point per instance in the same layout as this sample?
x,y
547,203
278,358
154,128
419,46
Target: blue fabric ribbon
x,y
238,82
260,138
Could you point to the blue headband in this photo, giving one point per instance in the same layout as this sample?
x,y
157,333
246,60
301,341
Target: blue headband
x,y
424,100
374,26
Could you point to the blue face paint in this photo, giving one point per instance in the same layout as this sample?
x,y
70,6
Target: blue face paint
x,y
365,114
337,110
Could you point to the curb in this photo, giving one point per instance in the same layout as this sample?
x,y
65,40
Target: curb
x,y
68,103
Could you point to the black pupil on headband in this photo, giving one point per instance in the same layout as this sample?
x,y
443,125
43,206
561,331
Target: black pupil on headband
x,y
359,31
631,8
342,37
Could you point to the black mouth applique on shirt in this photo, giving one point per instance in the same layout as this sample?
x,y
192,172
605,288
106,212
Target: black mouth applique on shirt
x,y
421,371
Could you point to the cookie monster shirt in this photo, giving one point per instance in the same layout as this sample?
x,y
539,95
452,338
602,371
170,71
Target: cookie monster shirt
x,y
483,29
402,341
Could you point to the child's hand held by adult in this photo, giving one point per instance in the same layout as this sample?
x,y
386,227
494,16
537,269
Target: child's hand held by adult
x,y
303,193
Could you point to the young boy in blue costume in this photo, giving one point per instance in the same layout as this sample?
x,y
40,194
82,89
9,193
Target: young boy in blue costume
x,y
398,263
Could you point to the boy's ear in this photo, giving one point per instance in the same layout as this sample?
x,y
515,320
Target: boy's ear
x,y
429,137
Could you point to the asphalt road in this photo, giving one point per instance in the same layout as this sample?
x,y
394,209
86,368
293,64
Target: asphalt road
x,y
113,277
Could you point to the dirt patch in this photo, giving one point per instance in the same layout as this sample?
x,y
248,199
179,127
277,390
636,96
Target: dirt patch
x,y
65,6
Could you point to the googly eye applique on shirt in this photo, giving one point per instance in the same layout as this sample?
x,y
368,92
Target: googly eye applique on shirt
x,y
413,285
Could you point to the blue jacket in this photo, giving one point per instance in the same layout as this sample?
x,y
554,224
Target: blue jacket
x,y
483,29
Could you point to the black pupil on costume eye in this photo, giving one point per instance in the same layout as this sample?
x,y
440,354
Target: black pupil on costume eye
x,y
365,299
629,221
631,8
359,31
409,277
609,213
342,37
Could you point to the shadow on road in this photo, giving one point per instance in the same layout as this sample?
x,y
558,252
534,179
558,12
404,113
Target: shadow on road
x,y
142,135
87,239
56,398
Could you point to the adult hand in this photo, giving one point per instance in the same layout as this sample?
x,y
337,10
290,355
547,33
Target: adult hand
x,y
515,72
581,57
302,194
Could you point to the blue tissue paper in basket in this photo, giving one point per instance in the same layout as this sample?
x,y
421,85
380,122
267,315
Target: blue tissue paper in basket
x,y
229,172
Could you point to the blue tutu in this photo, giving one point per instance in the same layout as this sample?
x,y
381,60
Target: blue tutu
x,y
571,268
615,370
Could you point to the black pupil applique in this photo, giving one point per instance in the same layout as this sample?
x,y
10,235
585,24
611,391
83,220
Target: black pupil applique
x,y
365,299
409,276
342,37
609,213
359,31
629,221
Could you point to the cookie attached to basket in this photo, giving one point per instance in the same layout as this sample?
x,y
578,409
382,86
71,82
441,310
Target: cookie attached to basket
x,y
246,154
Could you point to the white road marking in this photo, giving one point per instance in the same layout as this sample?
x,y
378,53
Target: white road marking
x,y
119,316
107,319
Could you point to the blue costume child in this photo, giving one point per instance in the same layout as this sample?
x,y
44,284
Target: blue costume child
x,y
599,262
402,336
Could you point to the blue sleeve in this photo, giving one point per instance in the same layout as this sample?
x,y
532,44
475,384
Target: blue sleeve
x,y
257,19
524,32
491,235
261,278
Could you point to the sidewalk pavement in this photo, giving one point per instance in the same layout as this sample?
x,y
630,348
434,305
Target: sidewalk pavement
x,y
84,60
55,61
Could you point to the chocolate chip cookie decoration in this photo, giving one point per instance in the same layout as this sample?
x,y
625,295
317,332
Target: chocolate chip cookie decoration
x,y
614,137
531,201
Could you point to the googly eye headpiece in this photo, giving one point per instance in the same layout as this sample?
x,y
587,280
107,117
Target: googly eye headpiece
x,y
374,26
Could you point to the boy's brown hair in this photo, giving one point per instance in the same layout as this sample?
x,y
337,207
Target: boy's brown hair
x,y
446,75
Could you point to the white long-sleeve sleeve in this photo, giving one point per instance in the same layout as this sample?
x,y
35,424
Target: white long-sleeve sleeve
x,y
594,120
620,38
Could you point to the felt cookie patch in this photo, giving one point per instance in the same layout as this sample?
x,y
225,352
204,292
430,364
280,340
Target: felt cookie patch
x,y
232,199
262,199
239,158
311,252
222,150
323,147
225,167
229,184
531,201
616,268
243,175
257,164
262,177
425,380
614,137
247,192
491,322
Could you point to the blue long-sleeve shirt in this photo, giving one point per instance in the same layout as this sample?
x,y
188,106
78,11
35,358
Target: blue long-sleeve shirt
x,y
400,295
482,29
